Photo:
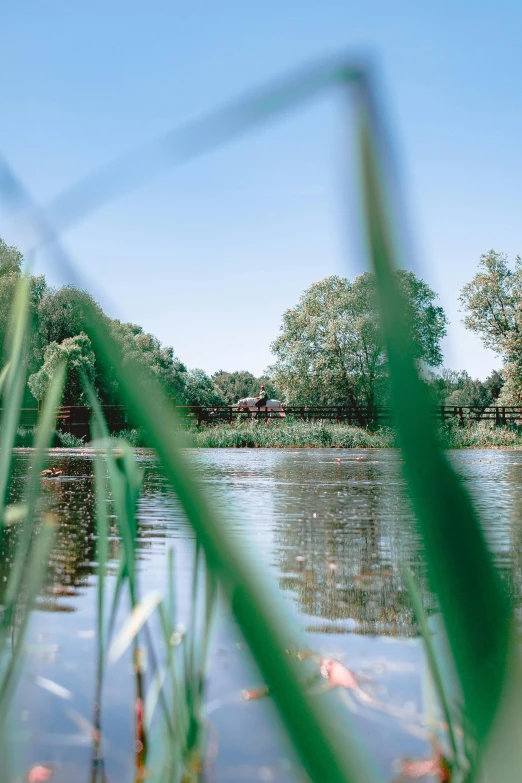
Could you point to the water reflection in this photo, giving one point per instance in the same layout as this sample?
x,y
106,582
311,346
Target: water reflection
x,y
333,526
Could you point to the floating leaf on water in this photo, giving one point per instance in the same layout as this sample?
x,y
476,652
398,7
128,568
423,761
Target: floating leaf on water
x,y
53,687
337,675
436,767
39,774
133,624
254,693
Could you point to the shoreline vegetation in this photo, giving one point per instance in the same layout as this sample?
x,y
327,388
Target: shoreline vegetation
x,y
305,435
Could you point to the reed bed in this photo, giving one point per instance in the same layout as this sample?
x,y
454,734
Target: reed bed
x,y
299,435
290,435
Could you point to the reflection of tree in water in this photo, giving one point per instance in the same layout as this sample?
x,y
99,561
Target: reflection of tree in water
x,y
73,558
341,554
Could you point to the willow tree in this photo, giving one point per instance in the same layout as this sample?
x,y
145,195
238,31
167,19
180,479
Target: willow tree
x,y
493,305
330,349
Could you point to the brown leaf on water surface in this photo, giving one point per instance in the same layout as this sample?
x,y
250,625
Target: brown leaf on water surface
x,y
437,768
39,774
338,676
254,693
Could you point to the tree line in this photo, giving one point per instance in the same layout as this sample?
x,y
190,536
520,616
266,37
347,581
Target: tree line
x,y
57,315
329,349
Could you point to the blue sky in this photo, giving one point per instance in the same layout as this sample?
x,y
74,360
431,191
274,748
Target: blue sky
x,y
208,256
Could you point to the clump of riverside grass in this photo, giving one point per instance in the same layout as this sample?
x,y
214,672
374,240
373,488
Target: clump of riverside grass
x,y
290,434
480,435
25,438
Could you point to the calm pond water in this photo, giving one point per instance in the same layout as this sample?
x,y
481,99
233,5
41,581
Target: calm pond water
x,y
334,536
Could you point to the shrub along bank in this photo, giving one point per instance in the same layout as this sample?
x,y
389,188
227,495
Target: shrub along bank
x,y
298,434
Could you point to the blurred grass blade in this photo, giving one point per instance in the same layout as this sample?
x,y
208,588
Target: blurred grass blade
x,y
34,576
133,624
152,697
422,620
476,612
32,489
215,129
102,534
14,382
125,482
3,376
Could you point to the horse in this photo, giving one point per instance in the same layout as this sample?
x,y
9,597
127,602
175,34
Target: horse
x,y
272,407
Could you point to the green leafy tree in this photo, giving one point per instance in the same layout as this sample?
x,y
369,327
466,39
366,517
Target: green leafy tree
x,y
330,348
61,314
78,356
11,261
147,349
493,384
233,386
493,305
459,388
201,390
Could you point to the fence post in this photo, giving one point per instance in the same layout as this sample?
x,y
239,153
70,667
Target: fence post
x,y
497,415
503,414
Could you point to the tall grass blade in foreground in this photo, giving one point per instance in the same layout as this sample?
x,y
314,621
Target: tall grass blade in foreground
x,y
476,611
34,541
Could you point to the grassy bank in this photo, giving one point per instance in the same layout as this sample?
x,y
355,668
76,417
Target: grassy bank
x,y
343,436
481,436
296,434
300,434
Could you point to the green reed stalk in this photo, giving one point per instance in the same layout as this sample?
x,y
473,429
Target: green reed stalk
x,y
476,610
34,542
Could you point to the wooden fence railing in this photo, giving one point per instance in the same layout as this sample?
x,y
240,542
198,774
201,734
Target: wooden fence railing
x,y
76,419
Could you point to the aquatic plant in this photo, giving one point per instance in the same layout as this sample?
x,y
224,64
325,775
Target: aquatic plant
x,y
288,434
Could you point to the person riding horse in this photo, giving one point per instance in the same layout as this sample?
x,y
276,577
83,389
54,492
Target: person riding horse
x,y
262,400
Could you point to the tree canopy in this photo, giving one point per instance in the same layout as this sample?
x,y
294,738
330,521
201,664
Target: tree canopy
x,y
78,356
234,386
492,302
330,348
456,387
58,317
